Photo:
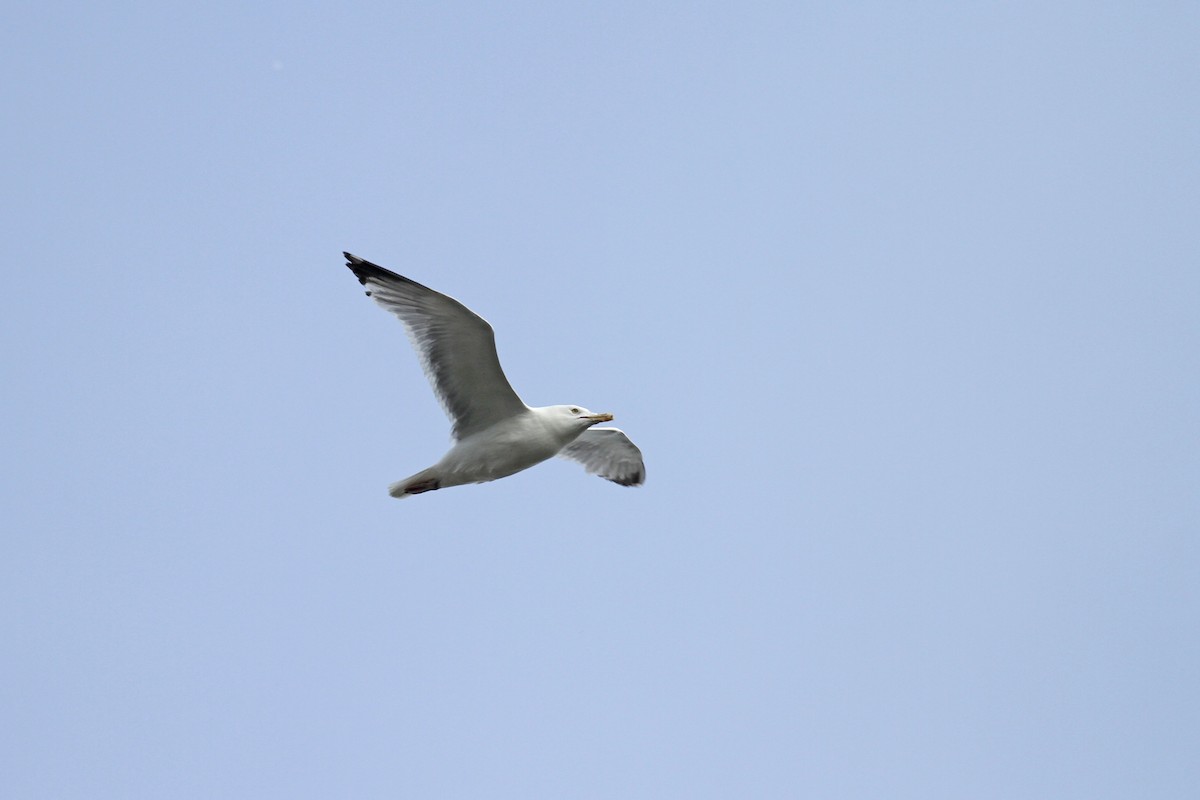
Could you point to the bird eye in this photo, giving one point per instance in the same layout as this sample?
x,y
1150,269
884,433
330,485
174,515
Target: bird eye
x,y
574,410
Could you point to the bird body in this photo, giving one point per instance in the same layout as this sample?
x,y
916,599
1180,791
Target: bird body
x,y
507,447
495,433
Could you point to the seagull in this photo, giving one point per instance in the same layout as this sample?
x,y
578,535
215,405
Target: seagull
x,y
495,434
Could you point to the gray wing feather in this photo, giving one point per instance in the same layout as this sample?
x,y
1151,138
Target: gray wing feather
x,y
456,346
607,452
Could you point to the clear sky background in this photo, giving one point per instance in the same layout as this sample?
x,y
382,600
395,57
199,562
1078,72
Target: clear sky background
x,y
899,300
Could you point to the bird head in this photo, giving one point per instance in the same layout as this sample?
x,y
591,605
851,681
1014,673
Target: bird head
x,y
584,417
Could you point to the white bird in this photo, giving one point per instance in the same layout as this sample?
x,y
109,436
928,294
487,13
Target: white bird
x,y
495,434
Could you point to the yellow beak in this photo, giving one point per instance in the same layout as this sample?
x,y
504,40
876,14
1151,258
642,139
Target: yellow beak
x,y
600,417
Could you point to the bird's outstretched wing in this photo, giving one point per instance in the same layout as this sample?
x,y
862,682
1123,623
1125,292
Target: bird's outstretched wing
x,y
607,452
456,346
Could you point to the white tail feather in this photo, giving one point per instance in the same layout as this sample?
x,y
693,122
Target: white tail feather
x,y
424,481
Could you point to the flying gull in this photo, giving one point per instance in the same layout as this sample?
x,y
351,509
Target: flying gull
x,y
495,434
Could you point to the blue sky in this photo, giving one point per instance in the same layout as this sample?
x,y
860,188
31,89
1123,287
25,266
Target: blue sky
x,y
899,302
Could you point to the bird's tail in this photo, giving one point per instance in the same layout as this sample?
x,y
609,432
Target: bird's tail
x,y
424,481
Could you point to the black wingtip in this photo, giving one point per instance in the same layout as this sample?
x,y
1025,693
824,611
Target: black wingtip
x,y
364,270
636,479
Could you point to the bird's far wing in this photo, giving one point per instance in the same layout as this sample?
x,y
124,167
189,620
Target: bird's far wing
x,y
607,452
456,346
